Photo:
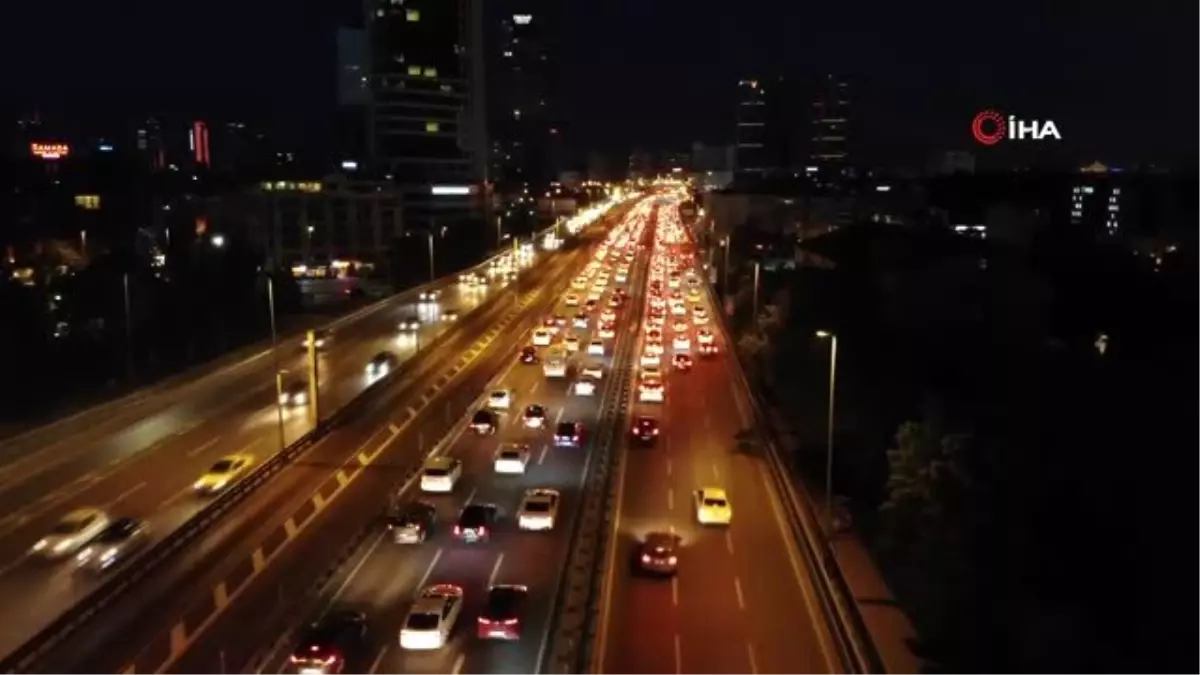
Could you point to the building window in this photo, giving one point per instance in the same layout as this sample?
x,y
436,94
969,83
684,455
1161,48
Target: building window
x,y
415,71
412,15
431,127
431,72
446,89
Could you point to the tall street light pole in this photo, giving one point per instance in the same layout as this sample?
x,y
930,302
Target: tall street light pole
x,y
833,345
432,273
725,267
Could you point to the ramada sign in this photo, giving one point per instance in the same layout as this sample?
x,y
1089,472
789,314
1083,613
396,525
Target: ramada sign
x,y
990,127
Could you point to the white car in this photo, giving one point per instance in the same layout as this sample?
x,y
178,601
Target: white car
x,y
594,370
581,321
579,284
538,510
73,532
511,458
650,372
432,618
429,296
541,338
409,326
585,386
712,506
678,309
500,399
555,366
534,416
650,359
651,390
440,474
622,277
654,347
699,317
572,300
606,332
681,343
704,337
673,282
595,348
571,343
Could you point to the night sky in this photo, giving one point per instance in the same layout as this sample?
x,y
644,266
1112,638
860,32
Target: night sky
x,y
1118,78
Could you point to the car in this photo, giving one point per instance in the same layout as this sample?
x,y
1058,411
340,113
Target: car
x,y
476,522
622,277
450,315
571,300
432,617
222,473
560,321
511,458
673,281
440,474
708,349
409,325
114,545
608,315
658,553
429,296
607,331
381,364
501,616
541,338
327,643
704,337
712,506
650,373
678,309
529,355
294,394
693,295
656,320
596,347
76,530
653,334
555,366
579,283
568,433
484,422
699,316
534,416
412,523
680,326
654,347
681,343
651,390
656,302
681,362
571,343
594,369
500,399
319,338
650,358
591,304
614,302
538,510
584,386
645,429
581,321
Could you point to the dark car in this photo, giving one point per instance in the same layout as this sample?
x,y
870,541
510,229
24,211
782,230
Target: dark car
x,y
659,553
114,545
484,422
501,617
682,362
476,522
529,355
381,364
412,523
645,429
329,642
568,434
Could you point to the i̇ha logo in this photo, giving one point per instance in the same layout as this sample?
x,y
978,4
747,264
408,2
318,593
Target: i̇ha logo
x,y
990,127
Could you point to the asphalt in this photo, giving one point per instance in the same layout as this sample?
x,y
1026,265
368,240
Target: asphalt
x,y
119,473
740,602
139,630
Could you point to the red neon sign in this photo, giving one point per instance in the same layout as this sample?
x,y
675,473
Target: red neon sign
x,y
50,151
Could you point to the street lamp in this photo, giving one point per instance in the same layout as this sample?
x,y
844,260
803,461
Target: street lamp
x,y
218,240
725,266
432,275
833,345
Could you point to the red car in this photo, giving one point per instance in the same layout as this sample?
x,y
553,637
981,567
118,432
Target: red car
x,y
501,617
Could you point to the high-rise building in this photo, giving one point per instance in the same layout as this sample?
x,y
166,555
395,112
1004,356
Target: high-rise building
x,y
426,114
150,144
752,157
830,119
198,143
354,94
522,127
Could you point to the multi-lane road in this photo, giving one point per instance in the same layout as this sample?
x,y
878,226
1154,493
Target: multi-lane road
x,y
142,457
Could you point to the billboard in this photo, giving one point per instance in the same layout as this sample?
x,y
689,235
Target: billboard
x,y
49,151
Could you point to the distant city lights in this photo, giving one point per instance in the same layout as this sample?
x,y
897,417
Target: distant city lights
x,y
450,190
522,19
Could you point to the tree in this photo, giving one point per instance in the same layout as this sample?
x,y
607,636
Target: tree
x,y
927,474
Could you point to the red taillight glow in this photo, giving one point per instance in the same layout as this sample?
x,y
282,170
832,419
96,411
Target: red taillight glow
x,y
457,530
482,530
646,558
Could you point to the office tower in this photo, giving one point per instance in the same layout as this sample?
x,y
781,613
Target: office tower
x,y
198,143
150,144
426,113
830,118
751,158
521,120
354,95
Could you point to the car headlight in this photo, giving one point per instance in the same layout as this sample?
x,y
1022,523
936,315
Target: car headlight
x,y
41,544
199,485
62,546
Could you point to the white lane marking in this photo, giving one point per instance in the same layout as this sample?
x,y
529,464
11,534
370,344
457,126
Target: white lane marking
x,y
729,542
542,456
395,430
675,591
125,495
458,664
378,660
471,497
669,468
495,570
353,573
753,661
716,471
170,501
737,587
558,417
534,388
429,570
202,447
670,499
678,656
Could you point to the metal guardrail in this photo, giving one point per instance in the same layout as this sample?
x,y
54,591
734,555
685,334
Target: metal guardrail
x,y
856,649
115,586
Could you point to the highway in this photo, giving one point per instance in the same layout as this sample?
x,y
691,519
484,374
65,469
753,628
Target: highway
x,y
142,459
740,602
266,543
383,582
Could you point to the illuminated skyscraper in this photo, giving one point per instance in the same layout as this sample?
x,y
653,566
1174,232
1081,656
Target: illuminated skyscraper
x,y
751,156
521,118
830,120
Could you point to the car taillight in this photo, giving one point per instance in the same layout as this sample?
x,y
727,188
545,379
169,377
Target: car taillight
x,y
482,530
645,558
672,560
457,530
511,622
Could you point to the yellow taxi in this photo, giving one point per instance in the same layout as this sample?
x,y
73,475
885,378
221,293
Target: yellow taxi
x,y
712,506
223,473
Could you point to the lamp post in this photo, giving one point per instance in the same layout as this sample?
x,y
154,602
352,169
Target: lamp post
x,y
725,266
279,405
432,273
833,345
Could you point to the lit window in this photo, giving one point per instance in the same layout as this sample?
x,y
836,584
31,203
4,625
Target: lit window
x,y
431,72
415,71
412,15
446,88
517,114
507,54
431,127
